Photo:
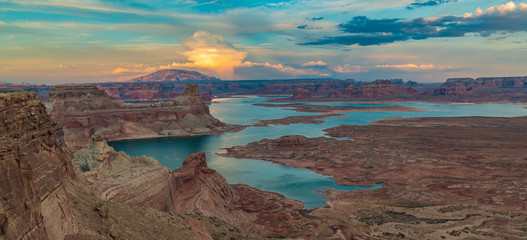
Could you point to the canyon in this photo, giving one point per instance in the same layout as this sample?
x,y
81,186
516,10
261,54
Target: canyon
x,y
446,177
46,196
192,189
48,192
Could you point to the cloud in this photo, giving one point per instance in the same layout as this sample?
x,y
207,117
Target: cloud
x,y
347,68
409,66
427,3
287,69
205,50
313,63
62,66
314,19
120,70
364,31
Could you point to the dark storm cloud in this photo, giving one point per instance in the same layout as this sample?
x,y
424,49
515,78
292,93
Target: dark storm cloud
x,y
427,3
364,31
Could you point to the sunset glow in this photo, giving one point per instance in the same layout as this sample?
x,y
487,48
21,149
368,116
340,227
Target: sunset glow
x,y
56,41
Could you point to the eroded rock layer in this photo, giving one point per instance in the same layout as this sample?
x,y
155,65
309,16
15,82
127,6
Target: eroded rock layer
x,y
84,110
377,89
43,195
35,167
192,189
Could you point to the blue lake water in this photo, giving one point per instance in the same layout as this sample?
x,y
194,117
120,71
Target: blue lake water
x,y
301,184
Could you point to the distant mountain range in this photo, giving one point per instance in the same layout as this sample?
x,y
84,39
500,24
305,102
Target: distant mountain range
x,y
173,75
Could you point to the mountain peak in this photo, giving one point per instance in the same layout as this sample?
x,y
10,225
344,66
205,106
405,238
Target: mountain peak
x,y
174,75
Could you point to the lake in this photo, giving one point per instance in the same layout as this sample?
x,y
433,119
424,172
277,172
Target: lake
x,y
301,184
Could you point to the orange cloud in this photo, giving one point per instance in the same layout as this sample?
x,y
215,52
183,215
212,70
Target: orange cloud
x,y
209,51
347,68
283,68
313,63
409,66
120,70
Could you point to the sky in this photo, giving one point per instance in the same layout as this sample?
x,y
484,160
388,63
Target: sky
x,y
82,41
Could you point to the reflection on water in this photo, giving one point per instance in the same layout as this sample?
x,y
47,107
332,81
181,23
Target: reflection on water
x,y
300,184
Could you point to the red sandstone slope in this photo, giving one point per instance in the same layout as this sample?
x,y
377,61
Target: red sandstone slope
x,y
175,75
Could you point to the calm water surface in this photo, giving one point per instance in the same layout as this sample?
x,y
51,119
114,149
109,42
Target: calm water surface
x,y
301,184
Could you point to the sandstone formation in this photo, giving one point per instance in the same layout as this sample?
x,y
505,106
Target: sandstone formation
x,y
150,91
461,86
84,110
444,178
315,87
45,196
384,88
142,181
379,89
35,169
174,75
192,189
301,93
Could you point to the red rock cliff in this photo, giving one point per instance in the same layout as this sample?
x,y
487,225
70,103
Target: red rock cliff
x,y
378,89
301,93
35,168
463,86
84,110
141,181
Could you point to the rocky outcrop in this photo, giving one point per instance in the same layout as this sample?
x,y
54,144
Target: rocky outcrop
x,y
84,110
301,93
463,86
174,75
378,89
294,140
315,87
384,88
149,91
201,190
351,90
142,181
192,189
35,168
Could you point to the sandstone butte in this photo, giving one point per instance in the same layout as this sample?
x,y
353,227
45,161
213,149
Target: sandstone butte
x,y
84,109
377,89
49,193
301,93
